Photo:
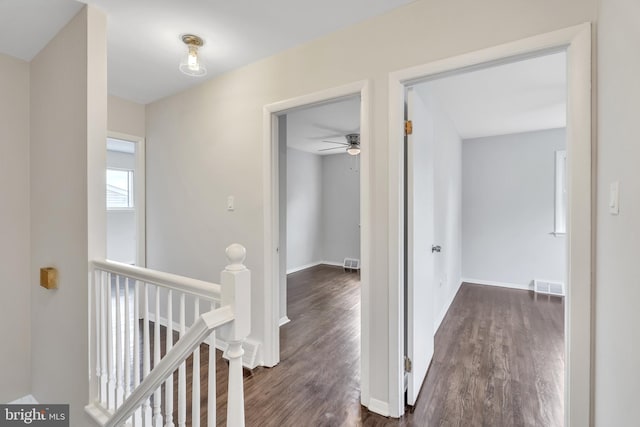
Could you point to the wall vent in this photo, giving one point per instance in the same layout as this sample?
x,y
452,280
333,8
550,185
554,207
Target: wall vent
x,y
547,287
351,264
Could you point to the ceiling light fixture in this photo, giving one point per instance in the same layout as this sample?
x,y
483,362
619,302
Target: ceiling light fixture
x,y
192,67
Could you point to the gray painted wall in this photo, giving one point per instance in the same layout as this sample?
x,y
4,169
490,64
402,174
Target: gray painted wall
x,y
340,207
508,202
304,209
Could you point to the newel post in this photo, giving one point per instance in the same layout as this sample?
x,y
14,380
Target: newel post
x,y
236,293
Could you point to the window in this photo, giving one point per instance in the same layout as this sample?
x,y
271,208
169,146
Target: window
x,y
119,189
561,193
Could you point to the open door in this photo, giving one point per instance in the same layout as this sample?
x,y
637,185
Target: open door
x,y
419,277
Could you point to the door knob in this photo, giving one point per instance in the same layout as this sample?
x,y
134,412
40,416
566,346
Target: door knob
x,y
435,248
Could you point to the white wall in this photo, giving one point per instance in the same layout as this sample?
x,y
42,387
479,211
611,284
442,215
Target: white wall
x,y
340,207
304,209
447,201
121,223
68,100
617,293
126,117
206,143
508,202
15,321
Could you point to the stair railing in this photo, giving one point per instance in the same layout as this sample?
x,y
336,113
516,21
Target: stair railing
x,y
130,369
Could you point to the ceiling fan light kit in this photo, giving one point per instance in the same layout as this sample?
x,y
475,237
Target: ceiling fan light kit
x,y
192,66
352,145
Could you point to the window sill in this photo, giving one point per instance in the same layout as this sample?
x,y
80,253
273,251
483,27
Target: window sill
x,y
556,234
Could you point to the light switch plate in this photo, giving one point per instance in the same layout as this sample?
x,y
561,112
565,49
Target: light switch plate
x,y
230,203
614,198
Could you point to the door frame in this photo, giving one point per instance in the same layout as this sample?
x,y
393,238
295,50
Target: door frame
x,y
271,349
140,194
578,303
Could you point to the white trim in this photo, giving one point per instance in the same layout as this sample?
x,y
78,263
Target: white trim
x,y
25,400
577,41
303,267
140,194
284,320
445,309
527,287
379,407
271,351
314,264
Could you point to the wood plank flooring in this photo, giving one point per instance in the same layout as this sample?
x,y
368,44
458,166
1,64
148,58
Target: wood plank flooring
x,y
499,361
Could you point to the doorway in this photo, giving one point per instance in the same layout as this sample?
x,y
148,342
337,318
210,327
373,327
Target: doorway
x,y
483,149
576,42
275,265
125,194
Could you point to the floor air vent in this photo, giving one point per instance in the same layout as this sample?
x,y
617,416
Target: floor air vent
x,y
351,264
546,287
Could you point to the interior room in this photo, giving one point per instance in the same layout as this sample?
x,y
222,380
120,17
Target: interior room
x,y
496,144
200,84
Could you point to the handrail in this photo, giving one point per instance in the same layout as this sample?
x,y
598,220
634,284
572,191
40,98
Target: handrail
x,y
178,354
120,391
199,288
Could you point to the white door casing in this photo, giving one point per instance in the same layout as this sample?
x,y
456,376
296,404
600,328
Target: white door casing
x,y
578,305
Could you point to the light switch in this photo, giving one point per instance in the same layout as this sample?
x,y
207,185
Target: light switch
x,y
614,198
230,203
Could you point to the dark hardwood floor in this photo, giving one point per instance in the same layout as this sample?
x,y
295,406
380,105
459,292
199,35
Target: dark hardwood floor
x,y
499,361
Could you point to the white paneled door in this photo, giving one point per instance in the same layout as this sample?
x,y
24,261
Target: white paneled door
x,y
419,305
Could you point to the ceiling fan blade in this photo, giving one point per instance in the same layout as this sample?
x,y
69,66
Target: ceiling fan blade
x,y
332,148
335,142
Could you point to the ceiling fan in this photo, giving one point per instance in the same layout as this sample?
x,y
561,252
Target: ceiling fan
x,y
352,144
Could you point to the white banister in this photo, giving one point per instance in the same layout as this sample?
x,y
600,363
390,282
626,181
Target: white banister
x,y
236,292
128,367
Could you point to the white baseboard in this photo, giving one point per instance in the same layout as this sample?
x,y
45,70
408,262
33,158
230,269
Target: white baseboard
x,y
444,310
527,287
379,407
314,264
25,400
284,320
332,263
303,267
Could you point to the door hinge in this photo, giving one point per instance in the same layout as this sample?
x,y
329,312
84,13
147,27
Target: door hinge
x,y
408,127
407,364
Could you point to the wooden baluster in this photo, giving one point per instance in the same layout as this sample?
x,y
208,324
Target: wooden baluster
x,y
236,292
157,395
168,385
95,335
137,416
127,339
146,350
211,386
119,349
104,377
182,373
111,401
195,390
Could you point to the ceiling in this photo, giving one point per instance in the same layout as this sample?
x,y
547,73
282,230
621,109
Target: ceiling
x,y
144,46
517,97
521,96
308,129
